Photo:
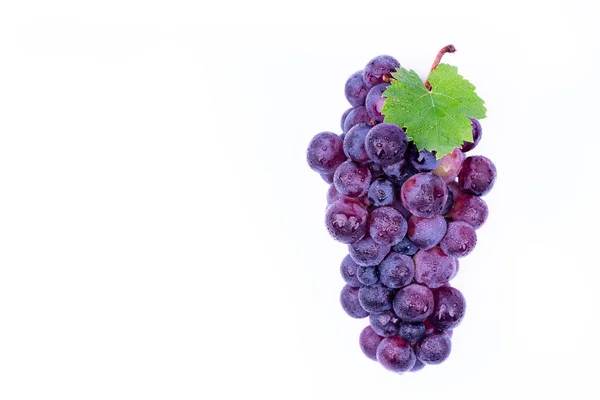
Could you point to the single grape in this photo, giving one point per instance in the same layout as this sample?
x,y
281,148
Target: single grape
x,y
352,179
470,209
422,161
476,126
405,247
368,252
375,101
381,192
411,331
346,220
426,232
325,152
449,203
387,226
332,194
376,298
357,116
450,165
328,178
413,303
396,355
477,176
344,115
419,365
367,275
348,270
379,68
356,89
433,349
350,302
460,239
433,267
386,143
449,308
369,341
424,195
385,324
396,270
354,143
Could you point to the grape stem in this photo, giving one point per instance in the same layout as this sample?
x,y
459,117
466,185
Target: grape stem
x,y
446,49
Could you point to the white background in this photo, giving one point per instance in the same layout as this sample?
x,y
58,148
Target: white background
x,y
161,236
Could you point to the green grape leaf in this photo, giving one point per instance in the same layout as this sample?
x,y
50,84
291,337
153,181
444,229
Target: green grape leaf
x,y
435,120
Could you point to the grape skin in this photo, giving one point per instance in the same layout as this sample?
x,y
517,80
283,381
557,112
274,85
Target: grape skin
x,y
348,271
375,100
386,144
387,226
413,303
343,119
357,116
367,252
476,130
460,239
346,220
381,192
352,179
412,332
349,299
376,298
396,270
385,324
424,195
433,267
368,342
405,247
477,176
354,143
426,232
325,152
470,209
396,355
434,348
356,89
450,307
378,68
367,275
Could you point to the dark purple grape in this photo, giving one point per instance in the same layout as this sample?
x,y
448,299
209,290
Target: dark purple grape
x,y
375,101
332,194
422,161
433,267
325,152
476,126
348,270
328,178
354,143
433,349
419,365
387,226
368,252
426,232
396,270
460,239
397,172
352,179
396,355
378,68
477,175
405,247
424,195
376,171
449,203
470,209
346,220
449,308
344,115
367,275
413,303
450,165
381,192
369,341
411,331
350,302
356,116
385,324
386,143
376,298
356,89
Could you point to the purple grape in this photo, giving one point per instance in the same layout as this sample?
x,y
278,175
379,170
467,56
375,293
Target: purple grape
x,y
413,303
369,341
449,308
424,195
328,178
433,267
376,171
470,209
346,220
477,176
325,152
433,349
460,239
387,226
379,68
422,161
396,270
468,146
397,171
350,302
356,89
449,203
396,355
386,143
411,331
348,270
368,252
381,192
450,165
385,324
367,275
405,247
426,232
419,365
354,143
376,298
356,116
332,194
344,115
352,179
375,101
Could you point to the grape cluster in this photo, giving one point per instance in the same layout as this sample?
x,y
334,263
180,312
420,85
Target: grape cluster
x,y
406,217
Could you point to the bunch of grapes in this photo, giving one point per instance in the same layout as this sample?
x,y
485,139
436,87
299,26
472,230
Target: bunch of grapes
x,y
407,218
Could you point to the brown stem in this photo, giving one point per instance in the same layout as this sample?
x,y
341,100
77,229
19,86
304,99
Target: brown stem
x,y
446,49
